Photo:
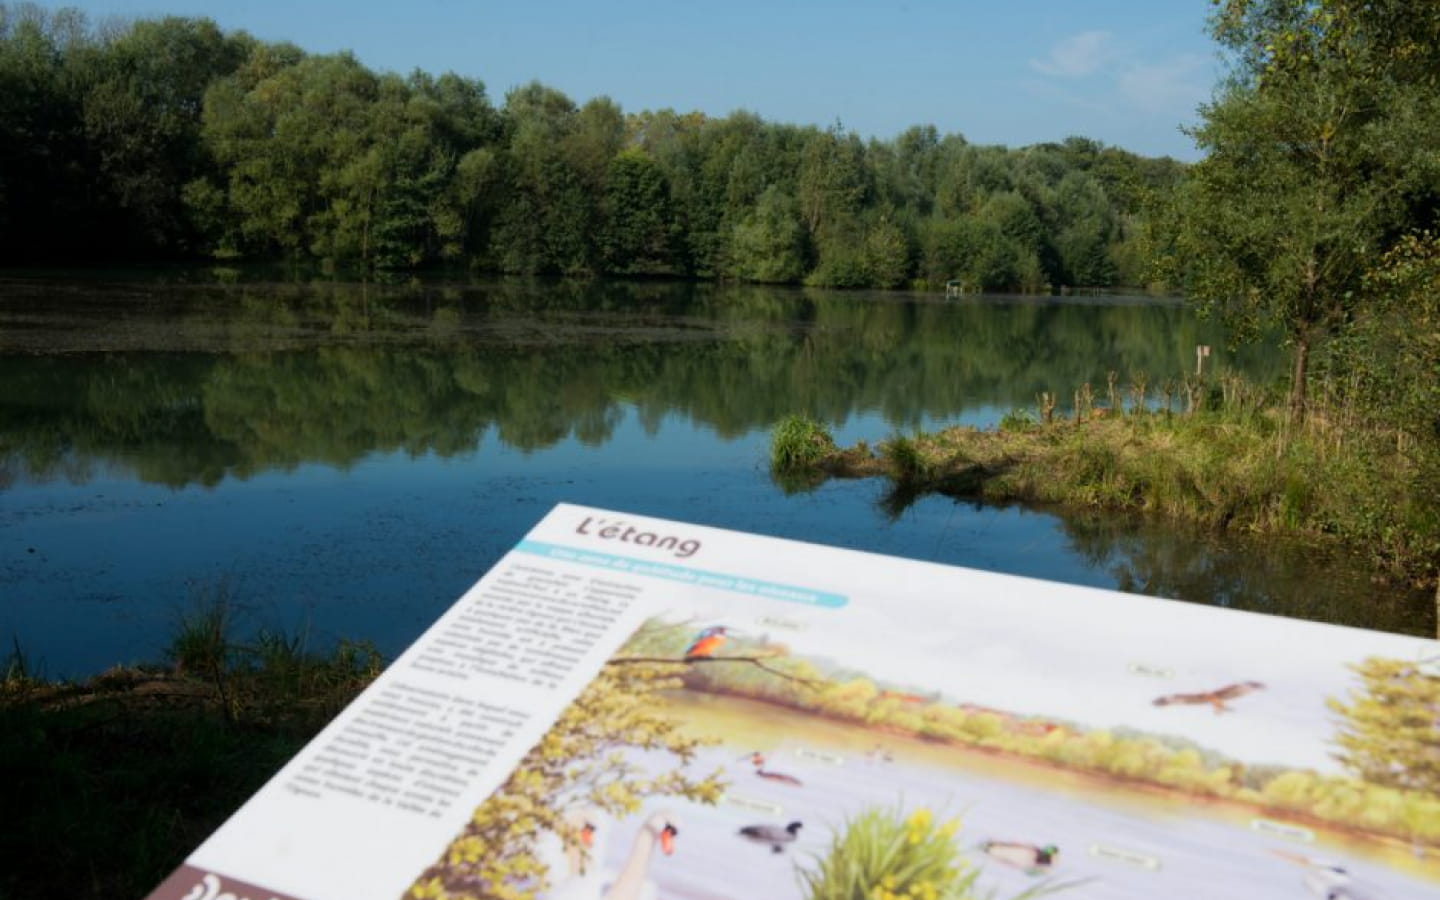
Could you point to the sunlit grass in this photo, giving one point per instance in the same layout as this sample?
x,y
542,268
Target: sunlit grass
x,y
1233,461
798,443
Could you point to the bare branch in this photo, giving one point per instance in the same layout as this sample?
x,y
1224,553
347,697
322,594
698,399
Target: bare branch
x,y
757,661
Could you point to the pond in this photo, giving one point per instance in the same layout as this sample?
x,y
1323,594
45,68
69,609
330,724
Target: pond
x,y
342,459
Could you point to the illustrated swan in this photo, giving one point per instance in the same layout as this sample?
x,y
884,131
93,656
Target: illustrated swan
x,y
631,883
573,866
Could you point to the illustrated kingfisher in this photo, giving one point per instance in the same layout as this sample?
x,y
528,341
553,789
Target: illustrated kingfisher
x,y
706,643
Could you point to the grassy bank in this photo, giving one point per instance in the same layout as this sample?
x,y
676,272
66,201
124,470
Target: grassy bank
x,y
1232,462
110,783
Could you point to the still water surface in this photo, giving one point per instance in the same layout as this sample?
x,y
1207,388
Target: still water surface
x,y
346,459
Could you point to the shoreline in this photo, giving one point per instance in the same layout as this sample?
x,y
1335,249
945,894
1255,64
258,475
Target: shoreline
x,y
1131,785
1240,468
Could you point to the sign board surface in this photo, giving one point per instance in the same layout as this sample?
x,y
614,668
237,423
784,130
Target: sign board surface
x,y
628,707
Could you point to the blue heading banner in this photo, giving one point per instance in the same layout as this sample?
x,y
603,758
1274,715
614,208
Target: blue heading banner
x,y
698,577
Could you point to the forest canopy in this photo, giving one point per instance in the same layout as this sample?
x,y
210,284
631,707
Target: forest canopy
x,y
169,138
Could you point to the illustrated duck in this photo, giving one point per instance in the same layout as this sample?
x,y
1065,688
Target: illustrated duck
x,y
757,759
632,882
1328,880
1032,858
1217,698
780,777
773,836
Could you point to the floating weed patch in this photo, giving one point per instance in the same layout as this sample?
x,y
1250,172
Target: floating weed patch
x,y
798,443
908,464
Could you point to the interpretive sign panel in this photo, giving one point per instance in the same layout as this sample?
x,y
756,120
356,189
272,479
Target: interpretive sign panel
x,y
626,707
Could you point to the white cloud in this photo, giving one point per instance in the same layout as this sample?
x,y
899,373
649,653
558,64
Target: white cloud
x,y
1182,82
1077,55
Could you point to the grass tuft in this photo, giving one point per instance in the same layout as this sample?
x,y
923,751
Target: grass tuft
x,y
884,854
117,778
799,444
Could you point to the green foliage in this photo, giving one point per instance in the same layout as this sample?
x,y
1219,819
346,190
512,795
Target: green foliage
x,y
135,766
886,855
203,643
908,463
799,444
578,764
638,235
1017,420
1390,729
769,243
17,672
1311,171
169,137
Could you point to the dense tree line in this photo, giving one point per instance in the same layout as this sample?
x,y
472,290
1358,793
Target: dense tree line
x,y
171,138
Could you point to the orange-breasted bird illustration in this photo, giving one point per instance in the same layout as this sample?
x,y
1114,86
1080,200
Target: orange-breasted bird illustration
x,y
1216,698
706,643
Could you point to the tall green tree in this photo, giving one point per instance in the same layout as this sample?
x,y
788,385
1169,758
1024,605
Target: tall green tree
x,y
769,244
44,162
142,118
1306,177
638,235
548,220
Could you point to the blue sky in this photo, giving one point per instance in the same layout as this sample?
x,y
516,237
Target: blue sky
x,y
1015,72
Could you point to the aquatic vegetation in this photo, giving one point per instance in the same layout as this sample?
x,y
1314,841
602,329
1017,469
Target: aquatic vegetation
x,y
888,854
116,778
1233,461
798,443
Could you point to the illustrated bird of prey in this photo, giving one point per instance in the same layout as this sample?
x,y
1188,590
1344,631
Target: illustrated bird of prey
x,y
773,836
706,643
1217,698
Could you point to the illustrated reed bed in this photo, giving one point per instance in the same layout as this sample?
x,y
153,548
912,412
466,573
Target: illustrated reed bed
x,y
883,854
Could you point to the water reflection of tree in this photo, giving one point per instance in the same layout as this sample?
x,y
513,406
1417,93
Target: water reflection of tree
x,y
330,372
1166,559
